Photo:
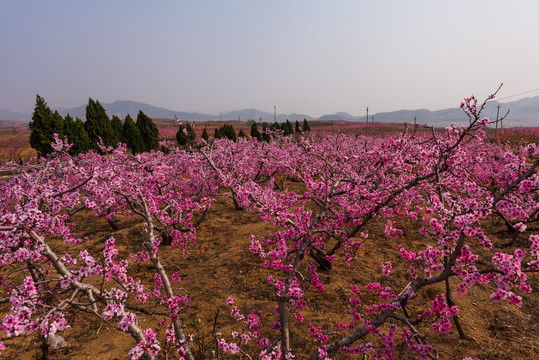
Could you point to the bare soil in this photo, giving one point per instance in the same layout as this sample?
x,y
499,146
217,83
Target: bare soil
x,y
220,265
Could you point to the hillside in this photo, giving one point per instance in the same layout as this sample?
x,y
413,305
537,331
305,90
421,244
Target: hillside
x,y
523,112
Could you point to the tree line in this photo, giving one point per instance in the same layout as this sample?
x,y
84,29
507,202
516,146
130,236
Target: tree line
x,y
139,136
186,133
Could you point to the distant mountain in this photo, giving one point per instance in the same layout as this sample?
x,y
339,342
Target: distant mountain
x,y
121,108
10,115
262,116
246,114
523,112
339,116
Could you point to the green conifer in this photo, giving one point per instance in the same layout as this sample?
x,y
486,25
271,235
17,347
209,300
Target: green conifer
x,y
229,132
98,125
43,126
181,136
117,127
131,136
191,134
205,135
306,126
148,131
265,136
288,128
217,134
255,133
76,134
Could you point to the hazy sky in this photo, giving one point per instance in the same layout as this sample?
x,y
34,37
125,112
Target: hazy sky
x,y
312,57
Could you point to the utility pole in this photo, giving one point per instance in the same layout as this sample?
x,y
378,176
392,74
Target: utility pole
x,y
367,123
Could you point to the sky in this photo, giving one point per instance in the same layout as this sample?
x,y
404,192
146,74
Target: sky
x,y
311,57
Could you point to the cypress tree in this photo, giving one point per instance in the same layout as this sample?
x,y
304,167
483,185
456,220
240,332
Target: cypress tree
x,y
98,125
289,129
131,136
286,128
186,134
83,141
190,131
205,135
39,135
255,133
43,126
306,126
298,128
241,133
117,127
76,134
228,131
58,123
148,131
217,134
181,136
265,136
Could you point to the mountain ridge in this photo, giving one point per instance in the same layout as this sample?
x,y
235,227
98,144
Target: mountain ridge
x,y
523,112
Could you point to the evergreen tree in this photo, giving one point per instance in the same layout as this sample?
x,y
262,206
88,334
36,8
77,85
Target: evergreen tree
x,y
225,131
255,133
43,126
265,136
306,126
191,134
288,128
217,134
76,134
298,128
117,127
131,136
58,123
228,131
205,135
148,130
241,133
181,136
98,125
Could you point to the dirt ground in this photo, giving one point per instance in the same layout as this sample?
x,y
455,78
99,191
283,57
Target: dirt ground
x,y
221,265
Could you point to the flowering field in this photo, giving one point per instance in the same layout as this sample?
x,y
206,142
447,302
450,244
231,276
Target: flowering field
x,y
326,246
14,142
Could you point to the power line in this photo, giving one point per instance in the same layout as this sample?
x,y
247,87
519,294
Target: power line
x,y
523,93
